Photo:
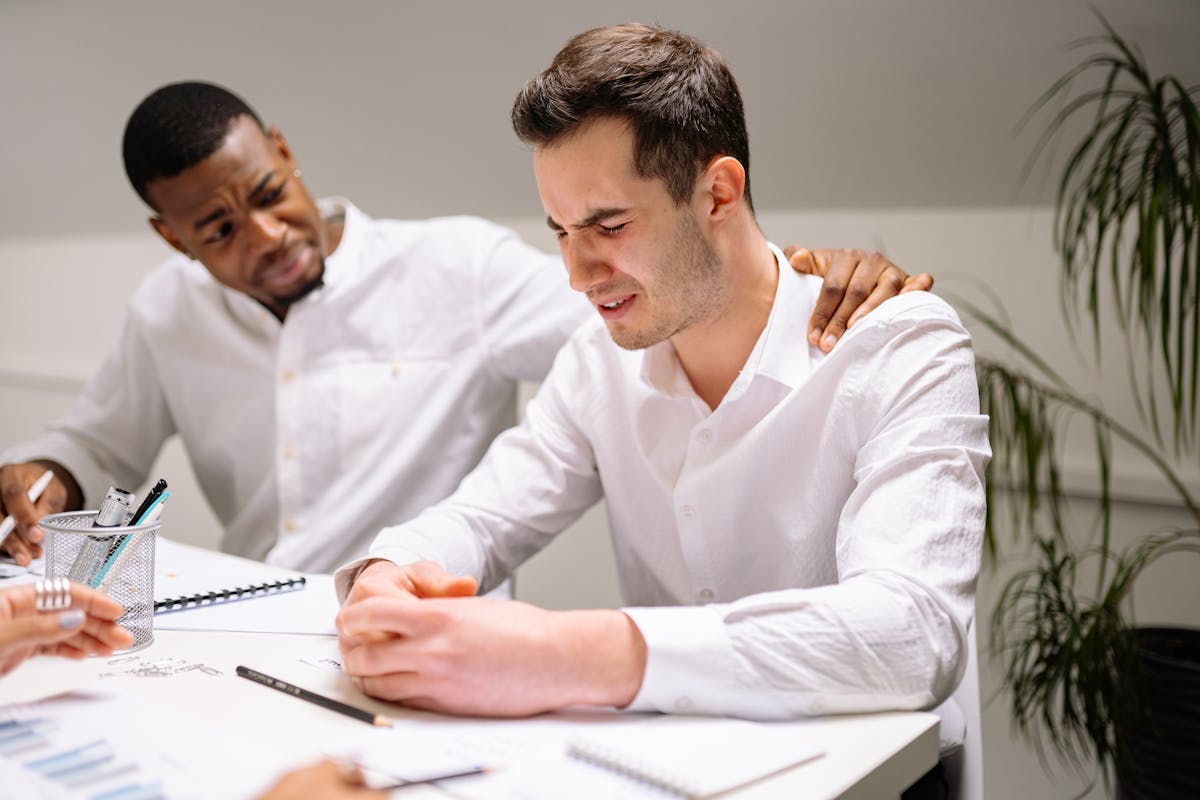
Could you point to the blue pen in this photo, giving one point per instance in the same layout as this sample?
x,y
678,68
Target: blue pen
x,y
150,514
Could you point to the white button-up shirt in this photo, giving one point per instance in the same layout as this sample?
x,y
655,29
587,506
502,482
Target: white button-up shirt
x,y
369,403
810,546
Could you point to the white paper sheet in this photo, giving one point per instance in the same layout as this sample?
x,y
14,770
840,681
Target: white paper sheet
x,y
184,570
102,739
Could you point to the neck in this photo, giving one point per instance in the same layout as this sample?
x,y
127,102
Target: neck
x,y
712,353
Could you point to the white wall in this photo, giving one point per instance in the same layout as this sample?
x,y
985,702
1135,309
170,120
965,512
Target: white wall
x,y
877,124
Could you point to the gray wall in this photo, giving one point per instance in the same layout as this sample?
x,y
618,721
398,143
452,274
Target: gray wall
x,y
874,123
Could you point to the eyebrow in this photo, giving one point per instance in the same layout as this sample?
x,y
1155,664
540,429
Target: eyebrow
x,y
213,217
262,184
220,212
590,220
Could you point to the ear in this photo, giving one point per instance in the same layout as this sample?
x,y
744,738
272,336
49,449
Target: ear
x,y
167,233
276,137
722,185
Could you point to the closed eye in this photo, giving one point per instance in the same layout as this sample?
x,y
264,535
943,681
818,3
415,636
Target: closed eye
x,y
222,232
612,230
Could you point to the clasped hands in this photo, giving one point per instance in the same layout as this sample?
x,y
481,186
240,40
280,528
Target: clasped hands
x,y
417,635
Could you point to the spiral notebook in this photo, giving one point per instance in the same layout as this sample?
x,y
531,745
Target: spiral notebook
x,y
696,757
191,577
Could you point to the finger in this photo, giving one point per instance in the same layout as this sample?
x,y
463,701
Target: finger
x,y
401,687
20,550
92,642
921,282
833,292
391,614
872,302
24,601
430,580
881,280
396,655
52,501
802,260
875,279
14,493
41,629
108,633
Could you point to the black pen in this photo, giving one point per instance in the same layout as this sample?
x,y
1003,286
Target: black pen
x,y
158,489
304,694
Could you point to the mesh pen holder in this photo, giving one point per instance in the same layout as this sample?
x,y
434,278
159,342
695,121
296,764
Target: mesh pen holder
x,y
118,562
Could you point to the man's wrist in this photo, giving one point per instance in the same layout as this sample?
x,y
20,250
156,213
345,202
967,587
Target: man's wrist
x,y
607,654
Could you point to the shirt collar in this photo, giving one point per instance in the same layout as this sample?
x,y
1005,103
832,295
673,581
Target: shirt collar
x,y
781,352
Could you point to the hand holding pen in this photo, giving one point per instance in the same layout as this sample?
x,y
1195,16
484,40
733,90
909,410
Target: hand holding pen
x,y
28,492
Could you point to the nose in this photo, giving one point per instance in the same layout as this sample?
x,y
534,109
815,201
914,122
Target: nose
x,y
265,232
585,267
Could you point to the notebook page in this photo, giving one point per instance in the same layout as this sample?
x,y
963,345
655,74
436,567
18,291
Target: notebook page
x,y
696,756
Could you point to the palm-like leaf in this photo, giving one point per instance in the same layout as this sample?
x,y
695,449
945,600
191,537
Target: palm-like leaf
x,y
1127,229
1128,215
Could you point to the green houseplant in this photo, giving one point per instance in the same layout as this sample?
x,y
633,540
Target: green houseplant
x,y
1084,680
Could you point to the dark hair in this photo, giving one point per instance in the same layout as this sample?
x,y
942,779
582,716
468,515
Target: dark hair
x,y
677,93
177,127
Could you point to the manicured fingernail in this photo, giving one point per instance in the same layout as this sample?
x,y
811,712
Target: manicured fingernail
x,y
70,620
35,535
829,341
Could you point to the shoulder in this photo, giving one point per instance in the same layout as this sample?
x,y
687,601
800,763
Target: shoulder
x,y
914,311
173,287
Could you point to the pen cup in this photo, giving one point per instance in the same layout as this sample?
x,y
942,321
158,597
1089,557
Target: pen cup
x,y
118,562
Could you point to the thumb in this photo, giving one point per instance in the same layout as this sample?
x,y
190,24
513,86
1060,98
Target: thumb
x,y
430,580
41,629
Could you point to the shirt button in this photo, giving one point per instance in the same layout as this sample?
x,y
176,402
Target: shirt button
x,y
705,436
683,703
705,595
687,511
287,376
290,525
289,451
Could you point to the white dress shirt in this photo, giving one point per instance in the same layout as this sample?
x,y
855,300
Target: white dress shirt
x,y
811,546
373,399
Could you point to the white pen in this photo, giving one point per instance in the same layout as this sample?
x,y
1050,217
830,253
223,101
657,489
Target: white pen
x,y
115,564
35,492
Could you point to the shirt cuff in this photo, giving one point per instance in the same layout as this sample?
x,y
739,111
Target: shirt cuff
x,y
690,664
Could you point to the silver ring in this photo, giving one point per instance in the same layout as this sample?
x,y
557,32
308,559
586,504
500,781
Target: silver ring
x,y
52,594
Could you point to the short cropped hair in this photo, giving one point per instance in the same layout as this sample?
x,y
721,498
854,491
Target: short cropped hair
x,y
677,93
177,127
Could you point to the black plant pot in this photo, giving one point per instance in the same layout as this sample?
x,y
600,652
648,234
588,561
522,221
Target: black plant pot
x,y
1163,753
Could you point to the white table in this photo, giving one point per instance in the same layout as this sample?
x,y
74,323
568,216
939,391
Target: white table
x,y
869,756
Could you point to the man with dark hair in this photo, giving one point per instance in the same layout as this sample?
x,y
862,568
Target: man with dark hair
x,y
328,373
776,562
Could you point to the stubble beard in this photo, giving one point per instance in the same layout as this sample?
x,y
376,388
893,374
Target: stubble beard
x,y
304,290
688,289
